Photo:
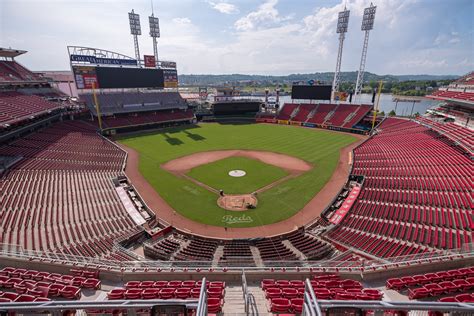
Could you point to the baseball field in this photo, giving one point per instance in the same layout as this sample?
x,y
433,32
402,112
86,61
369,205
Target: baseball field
x,y
287,166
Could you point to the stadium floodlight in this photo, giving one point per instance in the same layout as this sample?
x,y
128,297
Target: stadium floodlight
x,y
135,30
342,26
343,21
367,25
154,33
154,26
369,18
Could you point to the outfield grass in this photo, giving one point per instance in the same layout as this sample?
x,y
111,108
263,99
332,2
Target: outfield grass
x,y
319,147
216,175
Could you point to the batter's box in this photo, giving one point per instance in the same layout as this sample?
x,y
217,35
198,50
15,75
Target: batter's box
x,y
241,202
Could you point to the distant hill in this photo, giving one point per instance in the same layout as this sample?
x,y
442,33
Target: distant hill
x,y
325,77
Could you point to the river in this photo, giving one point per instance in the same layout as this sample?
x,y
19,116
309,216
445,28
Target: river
x,y
386,104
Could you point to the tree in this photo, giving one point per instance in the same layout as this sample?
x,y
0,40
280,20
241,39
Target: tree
x,y
392,113
373,84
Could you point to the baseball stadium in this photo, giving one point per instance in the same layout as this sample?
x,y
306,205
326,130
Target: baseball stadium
x,y
135,198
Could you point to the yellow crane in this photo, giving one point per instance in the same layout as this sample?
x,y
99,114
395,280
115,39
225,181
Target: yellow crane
x,y
376,107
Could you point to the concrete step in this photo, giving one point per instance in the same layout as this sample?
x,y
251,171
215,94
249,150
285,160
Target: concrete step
x,y
217,255
258,304
295,250
256,256
233,301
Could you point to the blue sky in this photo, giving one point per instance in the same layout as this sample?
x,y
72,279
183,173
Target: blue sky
x,y
250,36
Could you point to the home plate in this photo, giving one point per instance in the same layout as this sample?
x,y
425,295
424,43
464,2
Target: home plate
x,y
237,173
237,202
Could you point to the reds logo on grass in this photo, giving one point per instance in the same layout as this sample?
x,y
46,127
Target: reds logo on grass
x,y
229,219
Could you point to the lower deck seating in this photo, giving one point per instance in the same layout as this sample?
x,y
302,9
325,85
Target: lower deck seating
x,y
312,247
147,118
60,197
198,249
236,253
462,135
272,249
416,196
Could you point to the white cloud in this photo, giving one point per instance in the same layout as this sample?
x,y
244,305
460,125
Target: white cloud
x,y
267,42
447,38
265,16
182,21
224,7
264,41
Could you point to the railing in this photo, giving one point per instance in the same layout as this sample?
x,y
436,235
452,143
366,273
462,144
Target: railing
x,y
201,309
14,251
310,303
55,307
245,293
314,307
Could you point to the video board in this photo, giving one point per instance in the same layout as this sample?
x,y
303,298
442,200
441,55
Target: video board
x,y
170,78
308,92
117,77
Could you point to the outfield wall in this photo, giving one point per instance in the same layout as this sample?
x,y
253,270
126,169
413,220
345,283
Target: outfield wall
x,y
312,125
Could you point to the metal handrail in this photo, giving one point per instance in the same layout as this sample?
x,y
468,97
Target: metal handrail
x,y
12,251
81,305
202,303
311,299
399,306
245,293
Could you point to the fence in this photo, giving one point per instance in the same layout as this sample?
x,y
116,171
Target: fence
x,y
17,252
314,307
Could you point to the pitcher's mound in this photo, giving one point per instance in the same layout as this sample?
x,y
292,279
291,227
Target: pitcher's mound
x,y
239,202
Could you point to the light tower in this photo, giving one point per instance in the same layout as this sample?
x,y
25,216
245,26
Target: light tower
x,y
154,33
135,30
367,25
342,24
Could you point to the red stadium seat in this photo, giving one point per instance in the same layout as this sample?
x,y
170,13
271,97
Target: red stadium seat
x,y
272,292
70,292
297,305
167,293
280,305
214,305
289,293
116,294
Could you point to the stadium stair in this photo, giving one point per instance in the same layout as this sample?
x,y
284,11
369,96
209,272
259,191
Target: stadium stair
x,y
233,301
312,113
298,253
330,114
259,302
256,256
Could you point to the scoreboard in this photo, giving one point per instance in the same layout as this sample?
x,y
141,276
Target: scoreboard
x,y
116,77
309,92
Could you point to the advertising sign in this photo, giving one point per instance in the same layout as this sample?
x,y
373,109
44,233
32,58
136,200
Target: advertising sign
x,y
102,60
150,61
203,93
170,78
340,96
346,206
85,77
168,64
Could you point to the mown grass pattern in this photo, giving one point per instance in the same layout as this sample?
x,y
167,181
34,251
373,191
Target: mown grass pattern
x,y
320,148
